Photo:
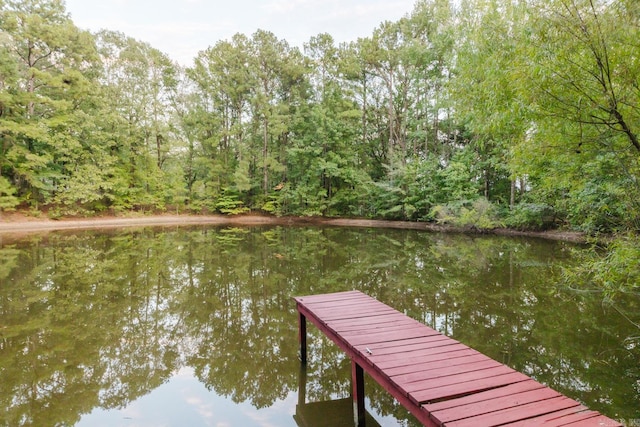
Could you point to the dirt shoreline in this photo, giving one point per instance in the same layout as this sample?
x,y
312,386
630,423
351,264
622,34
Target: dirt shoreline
x,y
19,224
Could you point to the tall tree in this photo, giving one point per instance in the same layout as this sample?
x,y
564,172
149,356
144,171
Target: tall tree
x,y
273,70
583,67
223,83
322,157
488,87
46,96
138,81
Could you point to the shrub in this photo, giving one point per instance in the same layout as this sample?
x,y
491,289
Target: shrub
x,y
478,214
8,200
531,216
230,205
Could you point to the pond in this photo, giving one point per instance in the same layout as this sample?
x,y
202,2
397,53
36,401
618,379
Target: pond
x,y
196,326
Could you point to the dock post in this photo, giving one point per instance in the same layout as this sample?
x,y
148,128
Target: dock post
x,y
357,383
302,336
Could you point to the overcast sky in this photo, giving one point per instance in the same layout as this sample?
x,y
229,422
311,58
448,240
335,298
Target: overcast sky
x,y
182,28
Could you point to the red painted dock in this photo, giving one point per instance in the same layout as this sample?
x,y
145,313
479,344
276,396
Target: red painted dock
x,y
439,380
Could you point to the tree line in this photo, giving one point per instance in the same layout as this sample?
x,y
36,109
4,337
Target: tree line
x,y
480,113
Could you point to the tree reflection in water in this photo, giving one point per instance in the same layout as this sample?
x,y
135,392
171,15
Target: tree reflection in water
x,y
99,319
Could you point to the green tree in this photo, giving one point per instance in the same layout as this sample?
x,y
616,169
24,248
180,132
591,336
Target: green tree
x,y
46,98
584,146
407,66
322,169
277,69
137,83
487,89
220,115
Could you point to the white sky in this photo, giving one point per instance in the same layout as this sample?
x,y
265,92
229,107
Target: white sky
x,y
182,28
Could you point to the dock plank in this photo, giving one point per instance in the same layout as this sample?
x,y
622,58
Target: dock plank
x,y
468,387
375,328
448,360
501,403
548,419
384,337
424,341
415,387
336,296
494,393
479,367
502,416
441,381
414,344
407,357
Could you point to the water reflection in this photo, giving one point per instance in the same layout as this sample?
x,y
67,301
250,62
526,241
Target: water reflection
x,y
328,413
96,321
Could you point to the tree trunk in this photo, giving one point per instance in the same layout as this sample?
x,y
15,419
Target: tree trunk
x,y
512,200
265,153
364,107
159,148
486,184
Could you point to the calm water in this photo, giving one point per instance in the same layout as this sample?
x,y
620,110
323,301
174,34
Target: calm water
x,y
197,327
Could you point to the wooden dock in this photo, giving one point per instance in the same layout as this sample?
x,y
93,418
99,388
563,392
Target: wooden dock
x,y
439,380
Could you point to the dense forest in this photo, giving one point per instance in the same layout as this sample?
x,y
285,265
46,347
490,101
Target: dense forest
x,y
478,113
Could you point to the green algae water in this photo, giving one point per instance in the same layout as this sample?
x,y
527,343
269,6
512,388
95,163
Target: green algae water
x,y
196,326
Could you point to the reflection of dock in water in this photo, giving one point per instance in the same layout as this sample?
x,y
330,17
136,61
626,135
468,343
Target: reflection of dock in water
x,y
442,382
329,413
332,413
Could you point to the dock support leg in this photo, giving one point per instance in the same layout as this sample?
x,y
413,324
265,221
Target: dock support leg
x,y
302,336
357,382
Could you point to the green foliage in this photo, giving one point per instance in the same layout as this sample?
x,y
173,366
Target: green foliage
x,y
415,188
8,200
272,205
86,187
458,179
389,201
479,214
612,267
304,199
531,216
583,148
591,192
229,203
598,207
47,95
351,198
516,102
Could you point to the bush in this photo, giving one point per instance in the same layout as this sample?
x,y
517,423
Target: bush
x,y
478,214
8,200
600,207
272,206
230,205
531,216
